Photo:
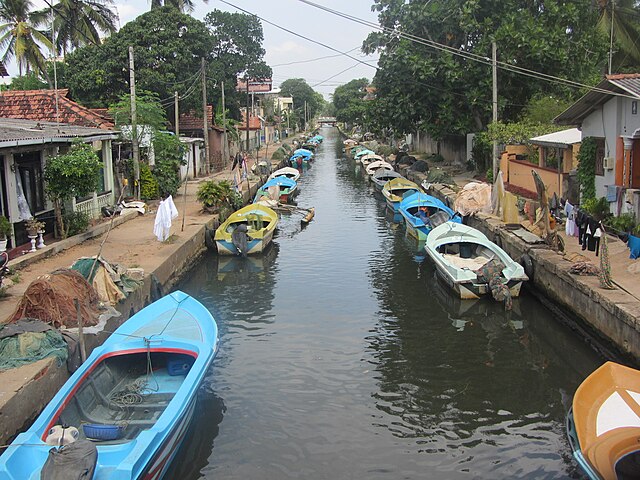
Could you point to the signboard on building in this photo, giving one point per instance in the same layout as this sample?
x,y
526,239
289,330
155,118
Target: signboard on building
x,y
255,86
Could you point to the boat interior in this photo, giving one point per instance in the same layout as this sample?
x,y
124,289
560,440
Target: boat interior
x,y
125,395
254,223
466,255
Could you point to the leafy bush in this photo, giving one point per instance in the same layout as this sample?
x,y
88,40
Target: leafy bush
x,y
624,223
148,183
218,197
75,223
598,207
279,154
587,168
169,153
5,227
489,175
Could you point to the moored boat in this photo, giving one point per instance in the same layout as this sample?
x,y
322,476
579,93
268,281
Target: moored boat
x,y
368,158
382,176
422,212
246,231
286,188
395,190
460,253
292,173
373,167
133,398
362,152
603,424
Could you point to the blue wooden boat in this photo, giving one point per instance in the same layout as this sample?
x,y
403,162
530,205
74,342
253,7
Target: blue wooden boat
x,y
159,357
287,189
422,212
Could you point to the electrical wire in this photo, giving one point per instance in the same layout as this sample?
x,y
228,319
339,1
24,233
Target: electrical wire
x,y
312,59
467,55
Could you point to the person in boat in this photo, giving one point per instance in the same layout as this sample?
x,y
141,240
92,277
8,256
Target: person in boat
x,y
423,214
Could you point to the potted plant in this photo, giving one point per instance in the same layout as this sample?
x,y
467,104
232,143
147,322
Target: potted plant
x,y
34,226
5,231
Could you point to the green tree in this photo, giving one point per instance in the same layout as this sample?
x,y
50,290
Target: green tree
x,y
169,153
348,101
149,111
80,22
168,46
440,91
302,94
20,37
626,31
29,81
73,174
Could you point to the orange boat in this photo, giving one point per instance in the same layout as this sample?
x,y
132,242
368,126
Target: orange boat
x,y
603,424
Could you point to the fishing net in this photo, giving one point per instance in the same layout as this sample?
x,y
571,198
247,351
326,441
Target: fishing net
x,y
28,341
109,281
491,272
50,298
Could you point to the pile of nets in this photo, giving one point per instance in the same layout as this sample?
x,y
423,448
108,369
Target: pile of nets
x,y
474,197
29,340
110,281
491,273
50,298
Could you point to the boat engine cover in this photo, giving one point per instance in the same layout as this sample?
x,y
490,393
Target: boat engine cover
x,y
76,461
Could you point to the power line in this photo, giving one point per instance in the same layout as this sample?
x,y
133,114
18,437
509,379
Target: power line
x,y
312,59
467,55
334,76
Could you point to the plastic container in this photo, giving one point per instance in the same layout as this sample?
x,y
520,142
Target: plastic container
x,y
98,431
179,365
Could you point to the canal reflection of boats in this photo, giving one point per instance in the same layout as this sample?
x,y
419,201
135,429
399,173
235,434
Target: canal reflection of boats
x,y
250,265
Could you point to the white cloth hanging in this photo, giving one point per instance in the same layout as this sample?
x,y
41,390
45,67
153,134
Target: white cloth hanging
x,y
167,211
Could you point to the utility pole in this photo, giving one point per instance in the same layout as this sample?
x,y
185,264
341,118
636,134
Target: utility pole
x,y
305,115
494,64
134,128
225,157
613,8
176,114
205,126
248,116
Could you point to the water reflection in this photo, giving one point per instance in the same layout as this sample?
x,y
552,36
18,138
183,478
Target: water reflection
x,y
341,356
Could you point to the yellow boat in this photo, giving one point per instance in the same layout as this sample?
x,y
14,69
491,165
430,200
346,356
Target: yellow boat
x,y
246,231
603,424
394,190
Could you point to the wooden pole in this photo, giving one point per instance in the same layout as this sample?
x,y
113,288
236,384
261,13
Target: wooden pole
x,y
134,127
205,126
225,157
494,55
83,350
176,114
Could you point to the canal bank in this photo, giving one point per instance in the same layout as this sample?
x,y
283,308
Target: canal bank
x,y
132,244
610,316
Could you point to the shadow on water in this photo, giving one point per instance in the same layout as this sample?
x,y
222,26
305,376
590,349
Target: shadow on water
x,y
342,356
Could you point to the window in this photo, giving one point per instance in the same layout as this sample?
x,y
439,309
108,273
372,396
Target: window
x,y
600,157
29,167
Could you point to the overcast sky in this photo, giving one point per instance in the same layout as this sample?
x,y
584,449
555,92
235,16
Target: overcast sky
x,y
284,48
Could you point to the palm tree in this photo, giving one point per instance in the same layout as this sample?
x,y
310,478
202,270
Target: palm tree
x,y
20,37
626,34
80,22
185,6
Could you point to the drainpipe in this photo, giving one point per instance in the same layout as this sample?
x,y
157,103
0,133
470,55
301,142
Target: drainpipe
x,y
628,161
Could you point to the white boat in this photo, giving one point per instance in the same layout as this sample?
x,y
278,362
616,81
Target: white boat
x,y
459,251
373,167
368,158
289,172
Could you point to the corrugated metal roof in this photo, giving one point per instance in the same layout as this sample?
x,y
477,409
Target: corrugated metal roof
x,y
626,84
560,139
14,132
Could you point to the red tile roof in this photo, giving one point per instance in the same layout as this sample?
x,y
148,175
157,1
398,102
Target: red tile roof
x,y
192,121
254,122
40,105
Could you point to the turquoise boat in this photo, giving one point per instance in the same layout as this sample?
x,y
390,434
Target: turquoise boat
x,y
435,213
287,189
158,358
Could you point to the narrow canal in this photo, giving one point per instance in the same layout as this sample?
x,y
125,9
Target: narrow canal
x,y
342,357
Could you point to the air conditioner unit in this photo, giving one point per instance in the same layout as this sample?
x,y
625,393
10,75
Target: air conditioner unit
x,y
608,163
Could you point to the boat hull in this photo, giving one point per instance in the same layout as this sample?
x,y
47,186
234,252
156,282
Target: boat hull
x,y
257,245
473,290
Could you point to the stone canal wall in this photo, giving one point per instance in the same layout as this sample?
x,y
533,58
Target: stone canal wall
x,y
611,316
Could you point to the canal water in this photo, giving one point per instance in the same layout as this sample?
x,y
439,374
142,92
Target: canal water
x,y
342,357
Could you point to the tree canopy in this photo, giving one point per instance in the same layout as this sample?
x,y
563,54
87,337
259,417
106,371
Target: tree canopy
x,y
348,101
302,93
435,85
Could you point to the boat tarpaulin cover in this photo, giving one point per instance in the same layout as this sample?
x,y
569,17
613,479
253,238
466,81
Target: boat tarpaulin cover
x,y
76,461
29,340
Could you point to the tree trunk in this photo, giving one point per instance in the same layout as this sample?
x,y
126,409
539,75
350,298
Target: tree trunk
x,y
60,221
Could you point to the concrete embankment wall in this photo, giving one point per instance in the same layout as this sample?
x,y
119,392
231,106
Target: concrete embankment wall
x,y
611,316
32,386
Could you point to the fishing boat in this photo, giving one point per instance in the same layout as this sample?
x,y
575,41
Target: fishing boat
x,y
278,188
603,424
367,159
362,152
382,176
460,251
303,152
292,173
373,167
129,404
422,212
395,190
246,231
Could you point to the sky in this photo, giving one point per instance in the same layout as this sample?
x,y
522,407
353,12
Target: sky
x,y
283,48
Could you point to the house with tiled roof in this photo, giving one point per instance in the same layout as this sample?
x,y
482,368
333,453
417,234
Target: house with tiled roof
x,y
50,106
609,114
25,146
192,125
